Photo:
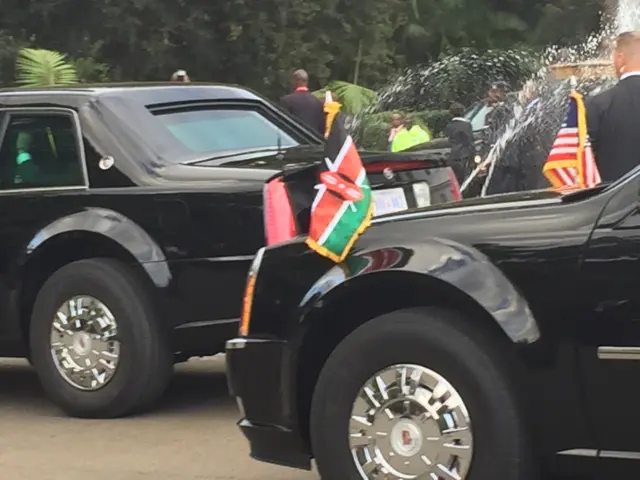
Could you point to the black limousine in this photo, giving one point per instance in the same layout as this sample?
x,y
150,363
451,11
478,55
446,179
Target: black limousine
x,y
130,215
493,338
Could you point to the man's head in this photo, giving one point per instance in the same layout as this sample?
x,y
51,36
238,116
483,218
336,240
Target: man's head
x,y
300,79
498,91
456,109
626,53
396,120
180,76
528,93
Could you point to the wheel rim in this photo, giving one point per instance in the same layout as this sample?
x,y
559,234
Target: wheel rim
x,y
84,343
409,422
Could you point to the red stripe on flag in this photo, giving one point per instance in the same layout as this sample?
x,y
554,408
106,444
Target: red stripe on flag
x,y
351,165
323,214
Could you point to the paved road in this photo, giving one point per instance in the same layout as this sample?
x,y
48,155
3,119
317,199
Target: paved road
x,y
191,436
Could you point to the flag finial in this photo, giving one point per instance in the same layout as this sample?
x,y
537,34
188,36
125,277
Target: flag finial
x,y
331,108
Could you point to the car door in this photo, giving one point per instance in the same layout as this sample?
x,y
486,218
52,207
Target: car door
x,y
42,172
609,327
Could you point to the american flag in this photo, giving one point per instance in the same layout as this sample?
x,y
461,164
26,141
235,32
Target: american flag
x,y
571,162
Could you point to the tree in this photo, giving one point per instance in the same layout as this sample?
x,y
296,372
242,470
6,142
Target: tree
x,y
258,43
434,27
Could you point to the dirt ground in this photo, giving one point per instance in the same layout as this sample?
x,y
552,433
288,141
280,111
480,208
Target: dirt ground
x,y
191,436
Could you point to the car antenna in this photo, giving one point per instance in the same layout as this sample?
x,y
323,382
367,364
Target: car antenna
x,y
280,153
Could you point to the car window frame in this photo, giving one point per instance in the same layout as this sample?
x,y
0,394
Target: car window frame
x,y
9,112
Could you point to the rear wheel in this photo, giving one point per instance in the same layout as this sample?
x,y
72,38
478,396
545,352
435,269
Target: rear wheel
x,y
422,397
96,342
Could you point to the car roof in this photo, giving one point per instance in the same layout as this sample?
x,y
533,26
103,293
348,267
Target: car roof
x,y
145,92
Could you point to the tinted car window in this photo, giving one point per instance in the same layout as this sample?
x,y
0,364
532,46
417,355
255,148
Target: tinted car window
x,y
40,150
477,116
210,131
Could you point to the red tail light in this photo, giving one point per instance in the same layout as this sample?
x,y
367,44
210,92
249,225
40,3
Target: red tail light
x,y
395,166
455,186
279,222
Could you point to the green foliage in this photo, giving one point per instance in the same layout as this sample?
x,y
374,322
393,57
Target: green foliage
x,y
259,44
354,98
39,67
432,27
436,120
91,71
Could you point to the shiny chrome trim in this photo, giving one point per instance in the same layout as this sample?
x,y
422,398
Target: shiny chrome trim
x,y
234,258
236,344
84,343
619,353
240,343
42,189
56,91
620,455
208,323
593,453
240,404
409,422
257,261
471,208
78,130
580,452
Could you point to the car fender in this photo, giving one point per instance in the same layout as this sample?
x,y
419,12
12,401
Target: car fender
x,y
454,265
115,226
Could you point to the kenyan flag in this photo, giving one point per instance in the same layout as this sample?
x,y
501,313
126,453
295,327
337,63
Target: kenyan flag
x,y
343,207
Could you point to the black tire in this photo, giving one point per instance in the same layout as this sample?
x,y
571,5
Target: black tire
x,y
446,343
146,361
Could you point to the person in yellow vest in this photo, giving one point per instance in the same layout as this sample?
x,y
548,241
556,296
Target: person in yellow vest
x,y
409,135
419,134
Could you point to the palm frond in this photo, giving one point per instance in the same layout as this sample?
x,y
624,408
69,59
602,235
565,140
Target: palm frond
x,y
40,67
354,98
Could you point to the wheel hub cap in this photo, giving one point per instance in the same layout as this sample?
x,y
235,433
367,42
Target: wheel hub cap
x,y
408,422
406,438
84,343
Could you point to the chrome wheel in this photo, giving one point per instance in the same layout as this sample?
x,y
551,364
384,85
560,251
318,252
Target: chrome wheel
x,y
408,422
84,343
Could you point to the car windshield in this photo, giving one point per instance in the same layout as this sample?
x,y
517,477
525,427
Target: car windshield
x,y
212,131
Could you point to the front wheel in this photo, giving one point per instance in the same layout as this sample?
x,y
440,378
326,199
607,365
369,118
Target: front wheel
x,y
96,343
423,396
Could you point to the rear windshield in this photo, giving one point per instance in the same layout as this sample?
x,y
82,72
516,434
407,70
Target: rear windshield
x,y
211,131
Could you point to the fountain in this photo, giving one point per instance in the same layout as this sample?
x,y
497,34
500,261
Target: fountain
x,y
585,67
628,15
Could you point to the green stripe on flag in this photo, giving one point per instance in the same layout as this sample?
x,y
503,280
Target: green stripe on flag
x,y
348,221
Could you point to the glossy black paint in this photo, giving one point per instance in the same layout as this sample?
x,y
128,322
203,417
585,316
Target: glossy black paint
x,y
553,275
190,228
191,231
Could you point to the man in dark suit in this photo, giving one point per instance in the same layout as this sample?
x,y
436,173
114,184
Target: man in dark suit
x,y
613,116
460,135
303,104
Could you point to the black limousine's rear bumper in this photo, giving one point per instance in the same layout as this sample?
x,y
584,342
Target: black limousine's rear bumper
x,y
255,374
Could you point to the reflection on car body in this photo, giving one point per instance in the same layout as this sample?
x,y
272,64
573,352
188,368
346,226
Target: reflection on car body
x,y
501,301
